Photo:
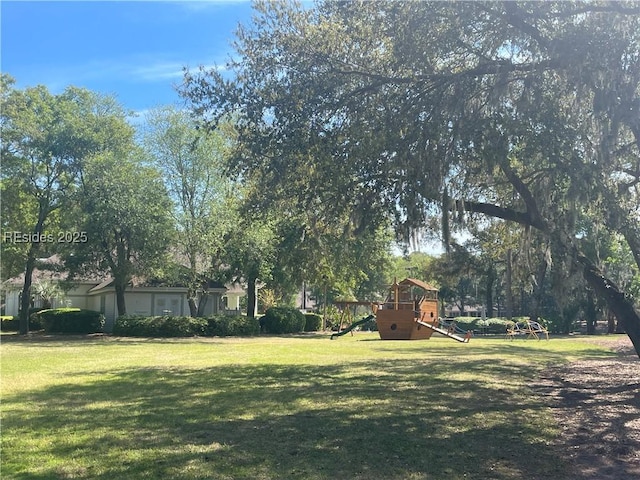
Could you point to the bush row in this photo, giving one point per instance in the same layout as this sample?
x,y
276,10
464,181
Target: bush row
x,y
232,326
489,325
66,320
179,326
10,323
75,320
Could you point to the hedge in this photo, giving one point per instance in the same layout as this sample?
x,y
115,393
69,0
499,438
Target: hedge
x,y
8,323
494,325
69,320
283,320
232,326
159,326
180,326
312,322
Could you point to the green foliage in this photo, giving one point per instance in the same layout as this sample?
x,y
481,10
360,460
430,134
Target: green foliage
x,y
369,326
232,326
313,322
494,326
159,326
126,216
366,115
35,322
46,141
564,320
283,320
250,252
203,198
70,320
9,323
268,298
179,326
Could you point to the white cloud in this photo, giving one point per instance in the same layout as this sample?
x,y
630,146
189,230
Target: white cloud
x,y
158,71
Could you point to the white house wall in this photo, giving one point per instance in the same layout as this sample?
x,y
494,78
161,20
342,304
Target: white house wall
x,y
12,302
138,303
76,297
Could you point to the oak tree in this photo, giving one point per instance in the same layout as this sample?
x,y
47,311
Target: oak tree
x,y
524,111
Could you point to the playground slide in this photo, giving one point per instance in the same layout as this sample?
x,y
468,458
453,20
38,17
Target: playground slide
x,y
447,325
444,332
352,326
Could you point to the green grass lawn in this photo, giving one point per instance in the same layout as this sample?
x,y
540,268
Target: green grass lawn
x,y
300,407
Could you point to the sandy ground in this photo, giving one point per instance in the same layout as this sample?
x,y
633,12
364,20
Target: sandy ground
x,y
597,403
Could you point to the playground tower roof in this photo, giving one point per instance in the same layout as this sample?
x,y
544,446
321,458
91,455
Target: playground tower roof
x,y
418,283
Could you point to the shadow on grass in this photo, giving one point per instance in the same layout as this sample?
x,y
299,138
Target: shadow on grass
x,y
388,420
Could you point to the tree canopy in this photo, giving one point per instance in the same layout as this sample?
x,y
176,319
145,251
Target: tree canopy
x,y
46,141
203,206
124,211
526,112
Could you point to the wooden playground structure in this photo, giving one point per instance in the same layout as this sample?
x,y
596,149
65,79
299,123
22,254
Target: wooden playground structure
x,y
410,312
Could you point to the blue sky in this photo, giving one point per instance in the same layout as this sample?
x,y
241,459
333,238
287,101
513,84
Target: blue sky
x,y
132,50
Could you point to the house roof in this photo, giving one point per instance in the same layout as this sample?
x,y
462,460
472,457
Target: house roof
x,y
418,283
102,285
49,269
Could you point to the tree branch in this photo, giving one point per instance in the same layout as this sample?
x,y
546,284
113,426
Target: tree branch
x,y
509,214
524,192
513,15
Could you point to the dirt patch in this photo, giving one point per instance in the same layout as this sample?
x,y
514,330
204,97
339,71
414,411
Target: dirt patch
x,y
597,405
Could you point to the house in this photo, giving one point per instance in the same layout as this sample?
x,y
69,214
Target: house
x,y
141,297
453,311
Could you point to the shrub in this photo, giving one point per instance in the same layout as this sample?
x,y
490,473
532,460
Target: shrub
x,y
370,325
132,326
493,325
170,326
313,322
160,326
8,323
559,324
283,320
232,326
70,320
35,321
468,323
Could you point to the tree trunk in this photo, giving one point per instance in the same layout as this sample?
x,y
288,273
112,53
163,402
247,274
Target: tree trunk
x,y
191,301
590,314
120,287
34,248
508,292
25,300
539,289
491,278
251,297
617,301
611,323
202,303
